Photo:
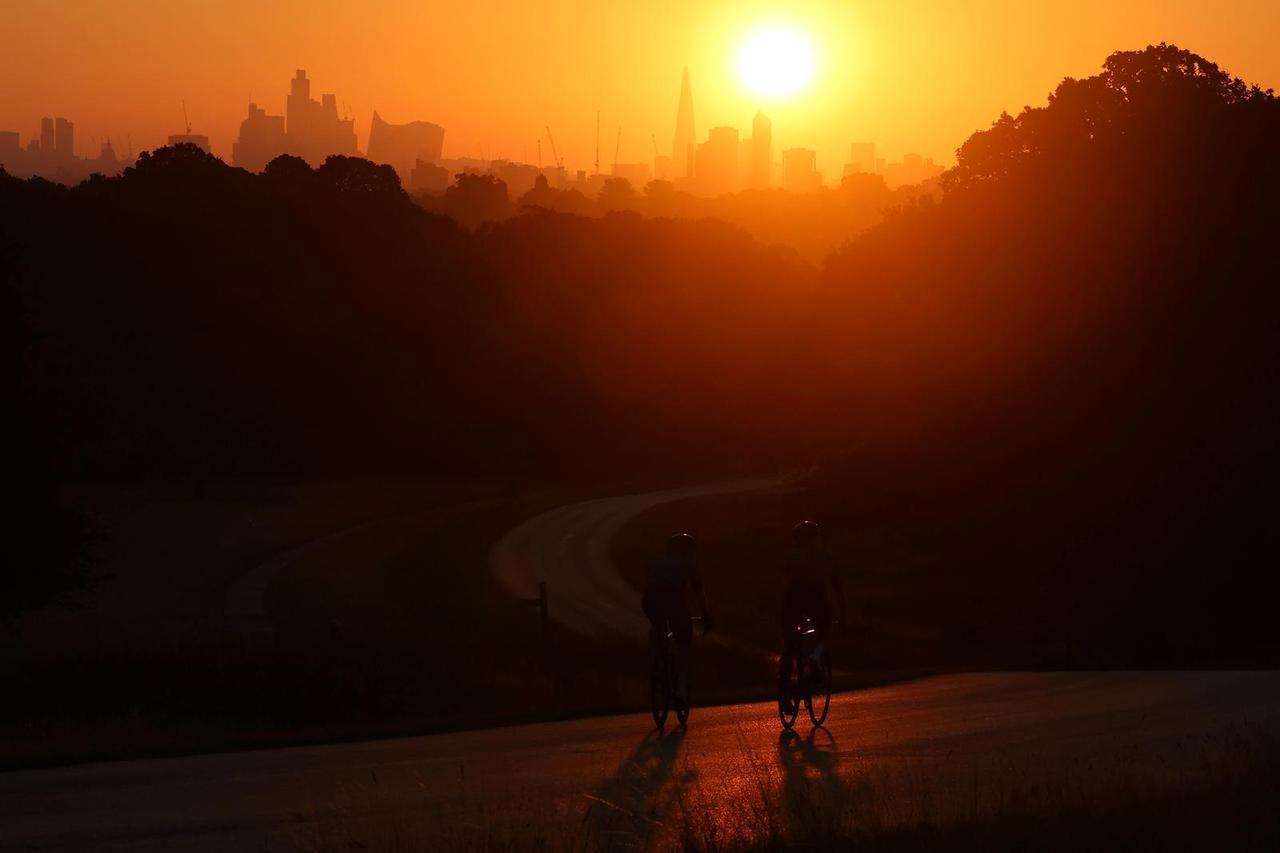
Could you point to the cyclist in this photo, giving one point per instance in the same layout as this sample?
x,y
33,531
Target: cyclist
x,y
664,603
810,572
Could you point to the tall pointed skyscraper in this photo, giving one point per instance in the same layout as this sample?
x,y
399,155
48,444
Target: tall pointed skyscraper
x,y
686,138
761,151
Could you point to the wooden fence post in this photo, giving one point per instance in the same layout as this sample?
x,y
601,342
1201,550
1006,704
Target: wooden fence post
x,y
545,615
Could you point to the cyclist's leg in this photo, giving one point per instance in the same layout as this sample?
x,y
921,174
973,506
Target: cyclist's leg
x,y
788,617
820,613
651,604
682,627
813,601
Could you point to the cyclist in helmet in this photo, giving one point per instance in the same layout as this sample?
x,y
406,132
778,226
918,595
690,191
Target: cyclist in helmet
x,y
664,602
810,574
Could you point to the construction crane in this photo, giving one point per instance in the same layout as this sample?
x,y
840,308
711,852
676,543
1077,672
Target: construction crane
x,y
597,142
186,120
555,155
617,148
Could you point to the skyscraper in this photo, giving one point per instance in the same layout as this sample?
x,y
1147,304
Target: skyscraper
x,y
682,152
262,139
799,170
46,137
862,157
761,150
313,128
717,166
64,139
402,146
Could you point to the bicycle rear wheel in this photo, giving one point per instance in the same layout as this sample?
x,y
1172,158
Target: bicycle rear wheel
x,y
660,688
820,696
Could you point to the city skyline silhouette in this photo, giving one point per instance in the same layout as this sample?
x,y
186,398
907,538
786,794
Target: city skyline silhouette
x,y
313,130
915,83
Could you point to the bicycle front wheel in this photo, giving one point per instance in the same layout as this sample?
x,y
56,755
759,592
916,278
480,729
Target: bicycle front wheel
x,y
820,698
660,689
682,699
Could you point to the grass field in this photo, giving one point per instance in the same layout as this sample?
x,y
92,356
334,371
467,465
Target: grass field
x,y
391,625
1213,791
372,632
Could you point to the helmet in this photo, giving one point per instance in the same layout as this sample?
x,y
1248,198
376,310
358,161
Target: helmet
x,y
805,532
681,544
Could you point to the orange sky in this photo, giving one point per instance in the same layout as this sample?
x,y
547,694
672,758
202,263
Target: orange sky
x,y
910,76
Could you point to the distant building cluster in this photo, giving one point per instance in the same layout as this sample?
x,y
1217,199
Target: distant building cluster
x,y
52,154
913,169
309,129
314,130
723,163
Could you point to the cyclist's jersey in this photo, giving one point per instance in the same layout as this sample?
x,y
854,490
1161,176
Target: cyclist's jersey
x,y
810,567
672,573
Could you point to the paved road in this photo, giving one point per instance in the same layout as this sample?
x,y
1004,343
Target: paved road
x,y
568,547
943,745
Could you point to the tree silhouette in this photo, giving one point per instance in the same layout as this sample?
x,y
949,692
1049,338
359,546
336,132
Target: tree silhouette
x,y
289,171
1065,359
357,176
473,199
616,194
542,195
1141,99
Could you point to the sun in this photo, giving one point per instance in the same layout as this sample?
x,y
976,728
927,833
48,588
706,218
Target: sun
x,y
776,62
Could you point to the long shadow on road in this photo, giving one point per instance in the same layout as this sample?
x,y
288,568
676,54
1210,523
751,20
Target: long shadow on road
x,y
813,795
624,812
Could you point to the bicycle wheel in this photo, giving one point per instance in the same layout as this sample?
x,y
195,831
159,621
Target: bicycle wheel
x,y
820,695
660,689
682,706
788,694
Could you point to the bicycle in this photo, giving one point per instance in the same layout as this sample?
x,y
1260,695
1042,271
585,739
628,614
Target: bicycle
x,y
801,685
662,682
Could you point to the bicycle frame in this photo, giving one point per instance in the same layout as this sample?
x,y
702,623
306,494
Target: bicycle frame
x,y
664,680
796,676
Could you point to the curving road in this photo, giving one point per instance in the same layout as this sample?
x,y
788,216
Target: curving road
x,y
949,746
568,548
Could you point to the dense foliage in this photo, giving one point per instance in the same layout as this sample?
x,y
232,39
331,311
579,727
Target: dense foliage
x,y
1067,371
1063,376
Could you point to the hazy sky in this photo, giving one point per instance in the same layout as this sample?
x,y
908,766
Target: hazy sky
x,y
910,76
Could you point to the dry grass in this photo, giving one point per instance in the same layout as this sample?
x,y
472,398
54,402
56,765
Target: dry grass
x,y
1212,791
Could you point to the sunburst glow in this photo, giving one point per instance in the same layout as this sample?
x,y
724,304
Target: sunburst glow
x,y
776,62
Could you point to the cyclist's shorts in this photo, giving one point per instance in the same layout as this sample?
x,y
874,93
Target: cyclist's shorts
x,y
665,606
